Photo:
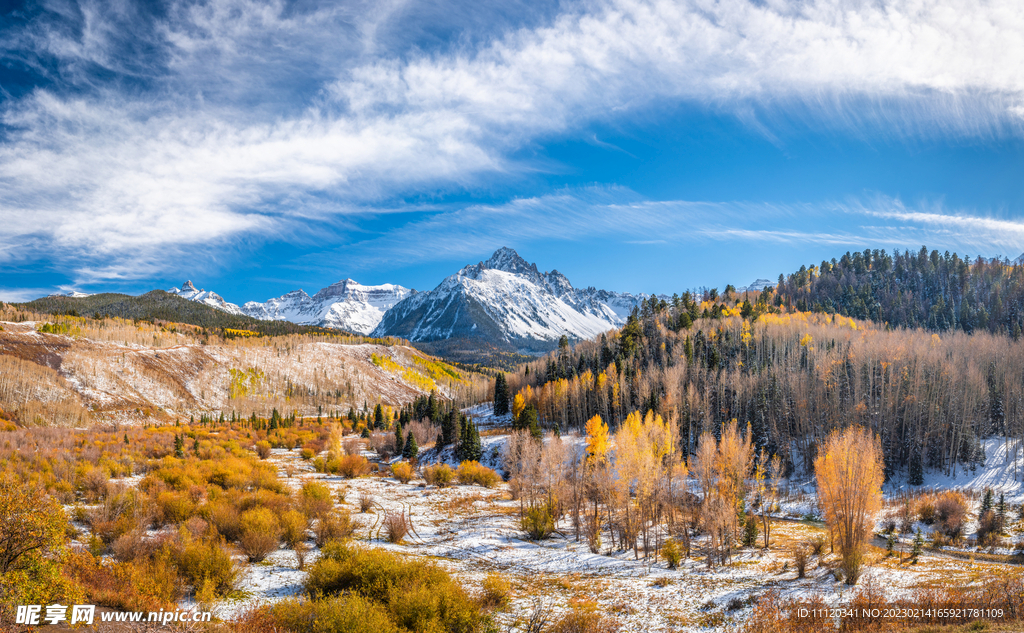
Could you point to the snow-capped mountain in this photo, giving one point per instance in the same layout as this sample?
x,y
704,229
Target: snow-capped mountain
x,y
1019,260
208,297
346,305
507,300
757,285
74,294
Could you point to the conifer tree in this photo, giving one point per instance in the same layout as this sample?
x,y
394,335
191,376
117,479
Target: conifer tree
x,y
179,447
986,502
529,421
500,394
916,470
469,447
399,440
433,408
411,450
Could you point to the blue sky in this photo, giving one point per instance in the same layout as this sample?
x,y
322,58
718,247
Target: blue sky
x,y
634,145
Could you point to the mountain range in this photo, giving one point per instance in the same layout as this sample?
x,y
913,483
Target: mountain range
x,y
507,300
504,303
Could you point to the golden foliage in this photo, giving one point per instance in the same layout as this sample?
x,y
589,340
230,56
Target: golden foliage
x,y
597,438
849,475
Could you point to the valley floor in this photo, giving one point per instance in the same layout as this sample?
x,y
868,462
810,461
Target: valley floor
x,y
473,531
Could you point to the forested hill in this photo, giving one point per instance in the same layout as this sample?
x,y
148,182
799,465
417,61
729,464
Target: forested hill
x,y
162,306
793,377
939,292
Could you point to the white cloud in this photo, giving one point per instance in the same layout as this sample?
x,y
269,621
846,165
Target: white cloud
x,y
21,295
618,214
235,106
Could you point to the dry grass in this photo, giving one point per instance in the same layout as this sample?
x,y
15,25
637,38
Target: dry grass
x,y
366,501
396,527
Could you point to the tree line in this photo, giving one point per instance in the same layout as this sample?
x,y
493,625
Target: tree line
x,y
794,378
939,292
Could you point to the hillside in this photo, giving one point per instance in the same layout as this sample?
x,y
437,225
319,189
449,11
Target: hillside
x,y
158,305
793,377
939,292
73,371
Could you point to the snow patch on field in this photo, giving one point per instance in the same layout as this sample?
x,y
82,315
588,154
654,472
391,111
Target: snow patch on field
x,y
1003,472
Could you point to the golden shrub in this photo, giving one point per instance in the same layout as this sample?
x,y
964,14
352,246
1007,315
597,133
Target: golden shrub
x,y
261,533
472,472
440,475
402,471
352,466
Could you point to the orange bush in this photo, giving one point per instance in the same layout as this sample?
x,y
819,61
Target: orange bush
x,y
352,466
473,472
402,471
439,475
261,533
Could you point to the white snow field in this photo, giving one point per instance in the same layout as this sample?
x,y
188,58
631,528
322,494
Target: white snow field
x,y
473,531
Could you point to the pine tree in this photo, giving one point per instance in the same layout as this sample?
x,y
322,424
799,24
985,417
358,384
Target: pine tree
x,y
411,449
528,420
1001,510
365,433
500,394
750,530
399,440
890,543
378,417
179,447
195,446
916,474
469,448
126,439
918,544
986,502
449,428
433,408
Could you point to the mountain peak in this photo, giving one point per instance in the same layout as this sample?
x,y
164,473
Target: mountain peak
x,y
188,287
506,259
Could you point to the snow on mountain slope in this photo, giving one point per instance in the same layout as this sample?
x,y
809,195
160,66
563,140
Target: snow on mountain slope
x,y
74,294
346,305
208,297
757,285
506,299
1017,261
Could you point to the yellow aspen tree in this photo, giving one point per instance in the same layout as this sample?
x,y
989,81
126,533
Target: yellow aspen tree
x,y
518,404
597,439
766,481
849,475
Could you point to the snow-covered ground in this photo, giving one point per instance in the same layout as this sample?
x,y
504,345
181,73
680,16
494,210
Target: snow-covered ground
x,y
1003,472
474,531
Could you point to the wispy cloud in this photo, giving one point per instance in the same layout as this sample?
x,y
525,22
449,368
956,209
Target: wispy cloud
x,y
20,295
619,214
165,134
